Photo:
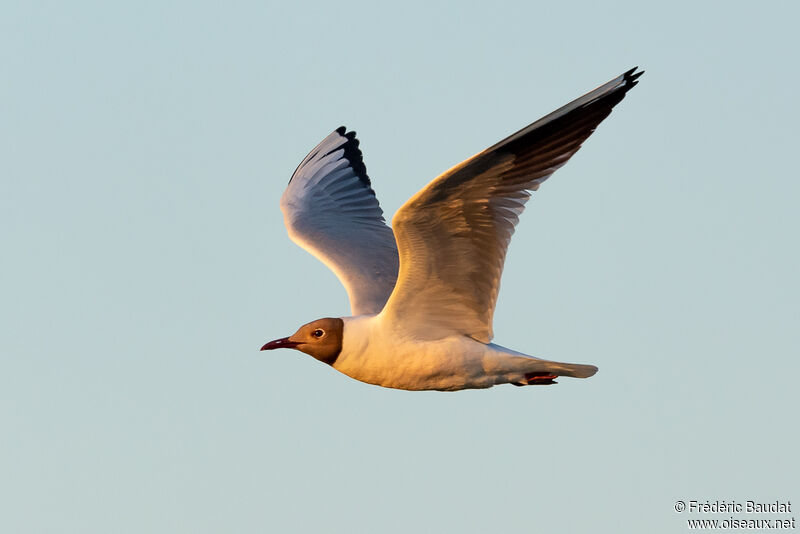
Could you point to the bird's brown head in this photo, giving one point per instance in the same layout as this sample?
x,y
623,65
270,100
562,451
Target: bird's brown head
x,y
322,339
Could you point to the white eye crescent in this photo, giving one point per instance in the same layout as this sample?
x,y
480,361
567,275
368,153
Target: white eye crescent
x,y
318,333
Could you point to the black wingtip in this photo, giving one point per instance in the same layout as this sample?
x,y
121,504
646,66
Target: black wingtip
x,y
631,76
353,154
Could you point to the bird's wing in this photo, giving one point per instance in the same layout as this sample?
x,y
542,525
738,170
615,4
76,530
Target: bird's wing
x,y
453,234
331,211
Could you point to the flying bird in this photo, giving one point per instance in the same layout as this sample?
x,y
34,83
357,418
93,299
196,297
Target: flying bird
x,y
422,293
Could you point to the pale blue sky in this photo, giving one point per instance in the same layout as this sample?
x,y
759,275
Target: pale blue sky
x,y
143,151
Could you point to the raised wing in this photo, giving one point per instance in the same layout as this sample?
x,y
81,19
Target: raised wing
x,y
330,210
453,234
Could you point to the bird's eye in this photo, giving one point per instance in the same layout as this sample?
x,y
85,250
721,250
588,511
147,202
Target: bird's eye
x,y
318,333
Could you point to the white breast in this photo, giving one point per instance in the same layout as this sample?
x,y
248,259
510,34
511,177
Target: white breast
x,y
375,354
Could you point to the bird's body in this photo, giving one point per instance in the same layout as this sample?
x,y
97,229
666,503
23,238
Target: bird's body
x,y
422,293
375,352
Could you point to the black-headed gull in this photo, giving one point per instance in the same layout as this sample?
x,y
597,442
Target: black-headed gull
x,y
422,296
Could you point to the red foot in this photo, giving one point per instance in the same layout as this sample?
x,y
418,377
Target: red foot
x,y
538,379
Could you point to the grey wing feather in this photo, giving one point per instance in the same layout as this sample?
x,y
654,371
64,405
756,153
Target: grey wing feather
x,y
453,235
330,210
